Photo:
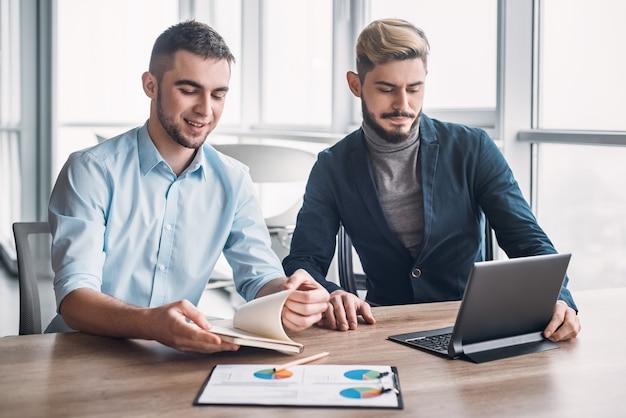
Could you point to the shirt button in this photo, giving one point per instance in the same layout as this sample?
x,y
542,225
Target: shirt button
x,y
416,273
168,227
161,267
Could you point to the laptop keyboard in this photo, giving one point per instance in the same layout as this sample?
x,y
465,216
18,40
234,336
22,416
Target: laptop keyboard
x,y
438,343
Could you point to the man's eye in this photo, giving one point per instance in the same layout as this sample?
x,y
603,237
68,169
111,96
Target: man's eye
x,y
219,96
187,92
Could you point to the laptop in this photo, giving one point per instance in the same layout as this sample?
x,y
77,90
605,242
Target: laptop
x,y
505,308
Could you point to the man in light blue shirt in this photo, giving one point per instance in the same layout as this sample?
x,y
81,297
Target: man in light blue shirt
x,y
139,221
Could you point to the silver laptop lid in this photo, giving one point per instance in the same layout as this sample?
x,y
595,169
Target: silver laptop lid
x,y
507,301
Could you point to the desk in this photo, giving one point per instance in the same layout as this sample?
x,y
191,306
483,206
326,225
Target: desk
x,y
77,374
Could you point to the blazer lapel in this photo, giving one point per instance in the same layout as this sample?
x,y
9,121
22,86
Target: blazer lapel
x,y
365,184
428,156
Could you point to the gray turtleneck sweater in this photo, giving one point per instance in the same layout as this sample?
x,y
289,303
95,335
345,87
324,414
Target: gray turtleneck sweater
x,y
399,185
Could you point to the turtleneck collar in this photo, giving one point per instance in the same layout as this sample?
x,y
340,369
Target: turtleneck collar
x,y
377,144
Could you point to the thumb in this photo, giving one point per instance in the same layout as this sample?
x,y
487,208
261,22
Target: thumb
x,y
195,315
301,280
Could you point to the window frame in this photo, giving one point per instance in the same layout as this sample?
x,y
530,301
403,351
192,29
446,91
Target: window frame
x,y
511,124
349,16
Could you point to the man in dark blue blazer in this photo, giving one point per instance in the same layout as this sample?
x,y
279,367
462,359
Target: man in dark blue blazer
x,y
412,193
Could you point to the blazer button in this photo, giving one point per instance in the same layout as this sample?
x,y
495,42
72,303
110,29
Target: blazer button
x,y
416,273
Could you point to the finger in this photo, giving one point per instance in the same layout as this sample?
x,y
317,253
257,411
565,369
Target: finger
x,y
331,321
297,322
195,335
299,278
305,308
300,313
341,317
308,302
354,307
351,311
298,316
570,327
195,315
366,312
185,336
556,320
207,344
317,296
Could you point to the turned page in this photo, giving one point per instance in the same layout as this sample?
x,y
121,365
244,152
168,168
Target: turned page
x,y
260,317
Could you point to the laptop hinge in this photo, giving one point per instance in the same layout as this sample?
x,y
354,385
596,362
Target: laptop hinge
x,y
507,347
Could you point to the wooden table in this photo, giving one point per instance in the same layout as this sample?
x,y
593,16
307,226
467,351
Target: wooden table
x,y
77,374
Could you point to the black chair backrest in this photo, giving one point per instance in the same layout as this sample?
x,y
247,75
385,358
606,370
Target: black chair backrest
x,y
353,282
32,244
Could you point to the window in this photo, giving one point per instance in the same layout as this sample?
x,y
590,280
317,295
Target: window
x,y
10,121
582,65
462,66
102,50
581,205
225,16
288,85
296,64
581,200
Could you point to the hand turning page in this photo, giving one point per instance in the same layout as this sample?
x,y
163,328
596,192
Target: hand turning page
x,y
258,323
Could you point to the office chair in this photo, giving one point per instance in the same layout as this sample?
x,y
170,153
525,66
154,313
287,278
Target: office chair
x,y
32,244
355,283
349,280
272,165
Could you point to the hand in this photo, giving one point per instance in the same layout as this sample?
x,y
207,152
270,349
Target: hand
x,y
564,324
94,312
304,307
172,329
343,309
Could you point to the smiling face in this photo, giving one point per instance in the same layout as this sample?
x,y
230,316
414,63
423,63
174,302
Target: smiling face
x,y
392,95
188,101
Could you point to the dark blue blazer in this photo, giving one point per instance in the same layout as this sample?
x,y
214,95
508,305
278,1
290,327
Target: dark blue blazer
x,y
464,175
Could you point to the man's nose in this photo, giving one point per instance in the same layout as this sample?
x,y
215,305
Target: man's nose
x,y
204,106
400,100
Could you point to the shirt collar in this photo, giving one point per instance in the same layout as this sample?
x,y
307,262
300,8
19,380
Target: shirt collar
x,y
197,165
149,156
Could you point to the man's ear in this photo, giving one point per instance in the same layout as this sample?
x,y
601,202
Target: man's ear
x,y
354,82
150,85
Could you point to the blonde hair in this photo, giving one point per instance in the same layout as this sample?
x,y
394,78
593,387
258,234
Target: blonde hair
x,y
388,40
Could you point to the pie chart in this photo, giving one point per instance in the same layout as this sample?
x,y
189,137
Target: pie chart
x,y
269,374
361,374
360,392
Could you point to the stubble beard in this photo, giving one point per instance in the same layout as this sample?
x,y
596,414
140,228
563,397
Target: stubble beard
x,y
173,130
392,137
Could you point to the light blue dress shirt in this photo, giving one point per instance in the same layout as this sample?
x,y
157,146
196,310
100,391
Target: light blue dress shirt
x,y
124,224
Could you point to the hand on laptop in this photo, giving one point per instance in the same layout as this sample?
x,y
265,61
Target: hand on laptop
x,y
343,311
564,324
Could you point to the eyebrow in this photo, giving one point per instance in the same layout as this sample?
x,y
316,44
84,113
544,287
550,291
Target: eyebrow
x,y
194,84
385,83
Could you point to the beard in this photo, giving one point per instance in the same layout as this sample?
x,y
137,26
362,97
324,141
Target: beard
x,y
173,130
395,136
